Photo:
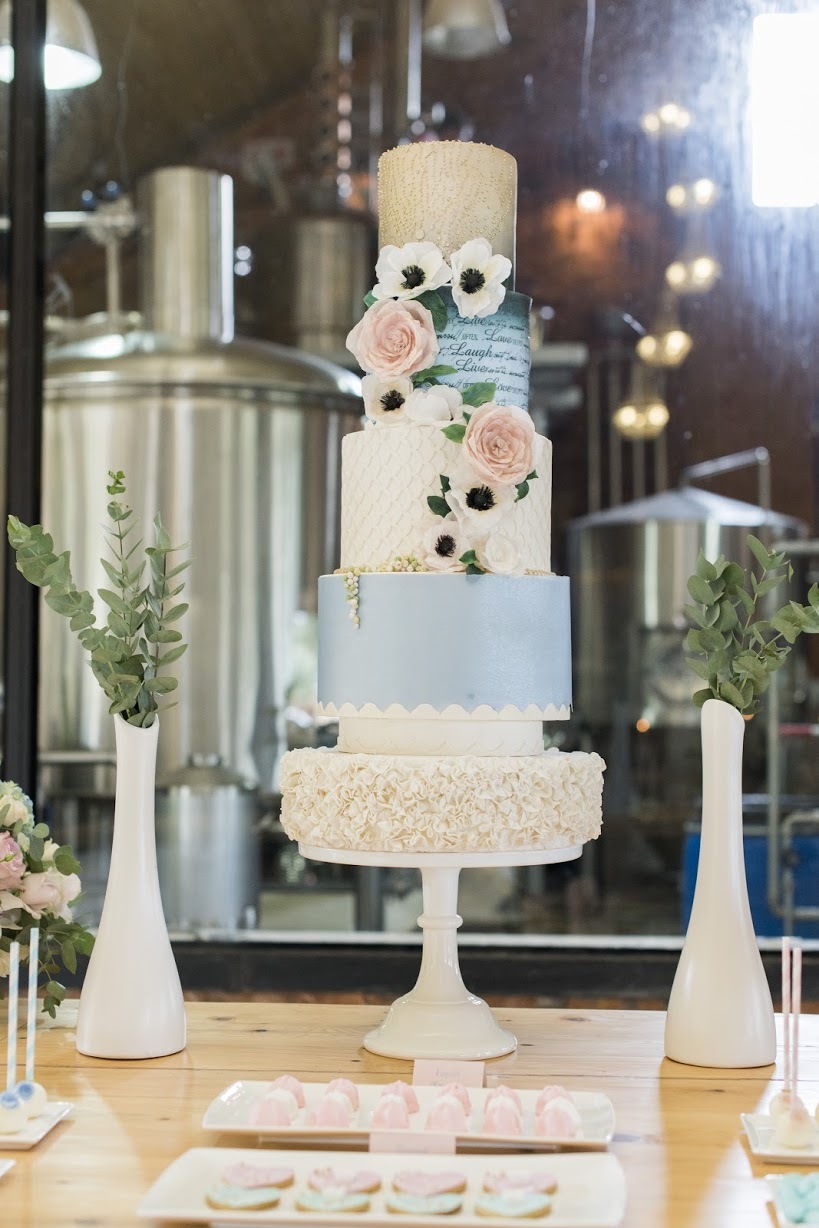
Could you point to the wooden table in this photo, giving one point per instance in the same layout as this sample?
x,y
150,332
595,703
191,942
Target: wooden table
x,y
678,1131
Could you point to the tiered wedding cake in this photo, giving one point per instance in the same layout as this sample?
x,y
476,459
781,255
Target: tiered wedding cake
x,y
444,637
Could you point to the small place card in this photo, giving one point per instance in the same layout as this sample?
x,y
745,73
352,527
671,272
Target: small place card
x,y
422,1142
432,1072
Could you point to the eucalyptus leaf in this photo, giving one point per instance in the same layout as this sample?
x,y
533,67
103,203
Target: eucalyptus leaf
x,y
759,552
732,695
700,590
705,570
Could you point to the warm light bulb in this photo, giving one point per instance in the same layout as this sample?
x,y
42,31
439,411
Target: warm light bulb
x,y
643,725
675,274
626,416
656,417
703,269
676,196
667,349
650,122
647,347
693,276
704,191
590,201
668,113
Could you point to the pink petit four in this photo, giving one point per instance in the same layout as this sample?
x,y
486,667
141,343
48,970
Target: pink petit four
x,y
503,1090
502,1116
347,1088
288,1083
428,1185
391,1113
363,1182
274,1111
552,1091
447,1115
558,1119
407,1094
334,1109
504,1183
460,1093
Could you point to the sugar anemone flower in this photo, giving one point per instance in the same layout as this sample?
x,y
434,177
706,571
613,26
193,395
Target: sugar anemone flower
x,y
477,279
437,404
385,398
406,272
443,544
479,505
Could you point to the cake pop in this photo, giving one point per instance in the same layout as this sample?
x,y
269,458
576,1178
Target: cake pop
x,y
781,1102
794,1126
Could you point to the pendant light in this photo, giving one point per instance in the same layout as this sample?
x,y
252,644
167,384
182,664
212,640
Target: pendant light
x,y
666,344
70,57
643,414
465,29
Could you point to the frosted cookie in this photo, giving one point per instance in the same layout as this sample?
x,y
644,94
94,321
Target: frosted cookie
x,y
290,1084
331,1202
391,1113
796,1128
347,1088
797,1197
326,1179
460,1093
432,1204
257,1176
535,1183
447,1114
503,1090
558,1119
552,1091
427,1185
239,1198
334,1109
13,1115
32,1096
514,1204
275,1110
405,1091
502,1116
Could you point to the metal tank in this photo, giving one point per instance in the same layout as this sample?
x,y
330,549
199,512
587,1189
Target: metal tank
x,y
629,567
237,443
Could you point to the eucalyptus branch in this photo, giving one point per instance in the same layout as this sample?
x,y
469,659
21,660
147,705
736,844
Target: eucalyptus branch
x,y
125,653
734,651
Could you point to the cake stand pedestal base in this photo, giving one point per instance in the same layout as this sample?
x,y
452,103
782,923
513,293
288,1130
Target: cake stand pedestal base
x,y
440,1018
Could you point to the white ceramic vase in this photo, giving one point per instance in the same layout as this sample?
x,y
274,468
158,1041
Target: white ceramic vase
x,y
131,1004
720,1011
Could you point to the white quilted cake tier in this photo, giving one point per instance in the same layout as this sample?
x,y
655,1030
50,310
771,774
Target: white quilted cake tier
x,y
387,473
447,192
470,804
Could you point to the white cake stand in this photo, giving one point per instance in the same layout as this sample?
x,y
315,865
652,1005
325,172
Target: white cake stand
x,y
439,1018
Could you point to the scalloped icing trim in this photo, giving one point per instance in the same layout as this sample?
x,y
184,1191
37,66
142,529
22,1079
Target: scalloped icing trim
x,y
454,712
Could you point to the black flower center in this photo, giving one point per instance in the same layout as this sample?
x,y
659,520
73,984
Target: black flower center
x,y
392,400
480,498
472,280
413,277
445,546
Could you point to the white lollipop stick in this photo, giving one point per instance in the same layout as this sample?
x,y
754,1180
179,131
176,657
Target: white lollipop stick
x,y
796,1009
14,988
31,1015
786,1010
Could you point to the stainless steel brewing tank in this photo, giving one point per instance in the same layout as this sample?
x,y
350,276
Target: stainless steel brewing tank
x,y
629,567
237,445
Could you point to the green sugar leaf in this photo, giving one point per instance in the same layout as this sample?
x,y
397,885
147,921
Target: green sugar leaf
x,y
523,489
479,394
455,431
438,506
432,374
436,306
369,299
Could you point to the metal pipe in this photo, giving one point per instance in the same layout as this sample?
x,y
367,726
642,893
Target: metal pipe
x,y
75,219
614,386
595,491
760,457
24,406
72,758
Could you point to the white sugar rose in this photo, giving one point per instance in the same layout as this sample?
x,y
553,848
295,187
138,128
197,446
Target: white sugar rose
x,y
437,404
477,279
394,338
479,505
49,891
385,399
443,544
500,555
500,443
405,272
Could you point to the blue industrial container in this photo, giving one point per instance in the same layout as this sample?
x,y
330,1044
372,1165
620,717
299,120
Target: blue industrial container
x,y
806,879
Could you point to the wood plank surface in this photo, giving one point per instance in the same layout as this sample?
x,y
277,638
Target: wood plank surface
x,y
678,1131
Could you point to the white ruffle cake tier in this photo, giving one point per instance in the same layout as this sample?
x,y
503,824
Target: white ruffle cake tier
x,y
437,804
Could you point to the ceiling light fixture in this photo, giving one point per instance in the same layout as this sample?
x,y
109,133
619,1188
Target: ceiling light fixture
x,y
643,414
589,200
668,119
667,344
70,56
693,197
465,29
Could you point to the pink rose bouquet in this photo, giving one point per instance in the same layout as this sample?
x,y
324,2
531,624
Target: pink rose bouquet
x,y
39,886
394,338
499,443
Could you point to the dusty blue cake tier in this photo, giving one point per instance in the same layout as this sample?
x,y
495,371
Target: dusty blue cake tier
x,y
446,640
495,348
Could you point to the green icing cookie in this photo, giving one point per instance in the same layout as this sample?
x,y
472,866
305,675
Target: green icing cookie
x,y
433,1204
240,1198
798,1198
332,1201
514,1204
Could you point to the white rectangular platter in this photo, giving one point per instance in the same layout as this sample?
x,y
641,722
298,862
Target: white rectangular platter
x,y
591,1189
759,1128
231,1113
36,1128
